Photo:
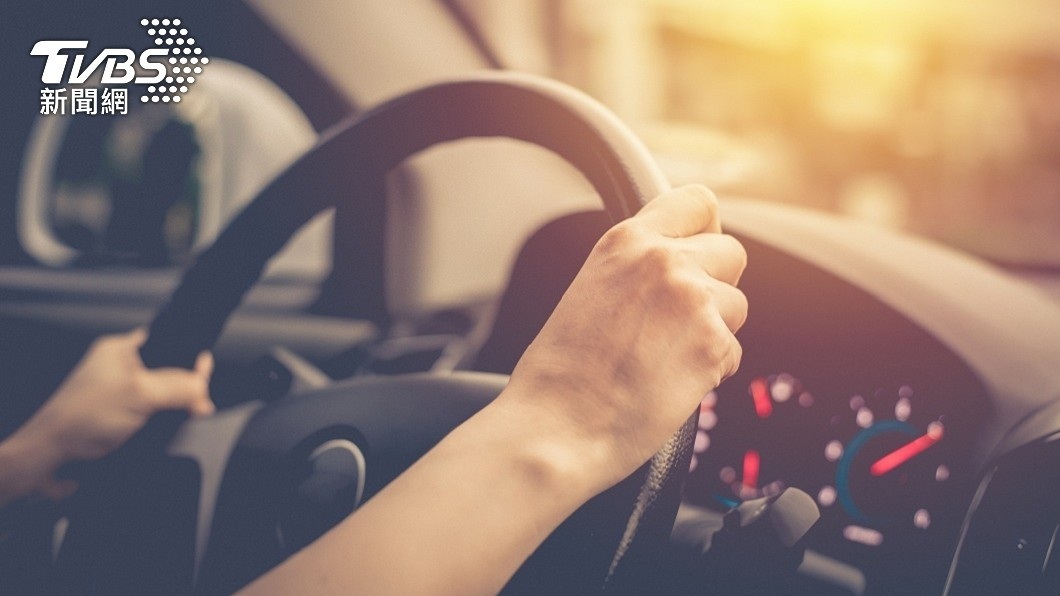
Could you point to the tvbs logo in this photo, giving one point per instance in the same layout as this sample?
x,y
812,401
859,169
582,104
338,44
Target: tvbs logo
x,y
118,64
168,70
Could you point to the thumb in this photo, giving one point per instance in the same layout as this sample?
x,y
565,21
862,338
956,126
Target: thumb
x,y
204,364
179,389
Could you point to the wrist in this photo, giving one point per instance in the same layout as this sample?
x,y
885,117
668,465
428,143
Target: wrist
x,y
553,450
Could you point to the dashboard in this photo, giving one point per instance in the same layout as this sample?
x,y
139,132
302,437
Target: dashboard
x,y
883,376
860,387
842,397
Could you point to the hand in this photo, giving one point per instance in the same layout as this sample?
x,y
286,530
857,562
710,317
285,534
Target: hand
x,y
642,334
107,397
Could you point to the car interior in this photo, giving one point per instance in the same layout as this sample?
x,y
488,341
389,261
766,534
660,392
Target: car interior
x,y
368,213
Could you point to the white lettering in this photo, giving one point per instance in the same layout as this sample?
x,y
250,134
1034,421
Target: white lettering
x,y
147,64
55,65
125,65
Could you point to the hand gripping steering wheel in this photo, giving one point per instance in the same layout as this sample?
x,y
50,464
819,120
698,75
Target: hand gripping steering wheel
x,y
610,543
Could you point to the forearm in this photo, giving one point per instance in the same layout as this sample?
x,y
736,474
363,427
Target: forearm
x,y
462,519
13,481
642,333
26,457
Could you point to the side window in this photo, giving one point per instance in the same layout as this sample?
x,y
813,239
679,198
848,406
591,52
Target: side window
x,y
152,187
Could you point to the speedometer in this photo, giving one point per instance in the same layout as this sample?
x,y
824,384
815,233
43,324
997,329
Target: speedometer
x,y
874,464
888,464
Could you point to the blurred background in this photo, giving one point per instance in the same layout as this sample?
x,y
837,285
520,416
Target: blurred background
x,y
939,116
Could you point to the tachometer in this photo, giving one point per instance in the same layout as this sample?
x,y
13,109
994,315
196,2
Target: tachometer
x,y
751,469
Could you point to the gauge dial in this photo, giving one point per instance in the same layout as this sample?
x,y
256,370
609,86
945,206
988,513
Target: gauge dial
x,y
750,468
884,459
887,470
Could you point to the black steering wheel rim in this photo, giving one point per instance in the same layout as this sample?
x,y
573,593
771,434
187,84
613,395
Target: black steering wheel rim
x,y
494,104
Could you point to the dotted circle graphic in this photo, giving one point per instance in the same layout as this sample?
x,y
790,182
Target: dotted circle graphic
x,y
167,34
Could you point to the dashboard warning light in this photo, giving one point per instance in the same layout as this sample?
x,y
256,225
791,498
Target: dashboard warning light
x,y
760,394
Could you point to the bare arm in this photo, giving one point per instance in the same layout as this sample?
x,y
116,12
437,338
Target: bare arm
x,y
644,331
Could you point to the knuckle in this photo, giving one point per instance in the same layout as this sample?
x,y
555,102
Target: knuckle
x,y
680,292
658,260
619,237
706,329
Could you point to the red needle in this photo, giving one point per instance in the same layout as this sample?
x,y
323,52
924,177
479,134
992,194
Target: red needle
x,y
751,462
760,393
906,452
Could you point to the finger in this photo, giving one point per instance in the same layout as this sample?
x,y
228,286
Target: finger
x,y
733,357
177,389
682,212
202,407
729,351
720,255
204,365
731,304
135,338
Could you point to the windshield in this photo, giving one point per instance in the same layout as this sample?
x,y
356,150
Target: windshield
x,y
942,118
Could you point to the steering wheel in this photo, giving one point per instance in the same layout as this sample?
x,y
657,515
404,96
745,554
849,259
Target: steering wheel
x,y
610,542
